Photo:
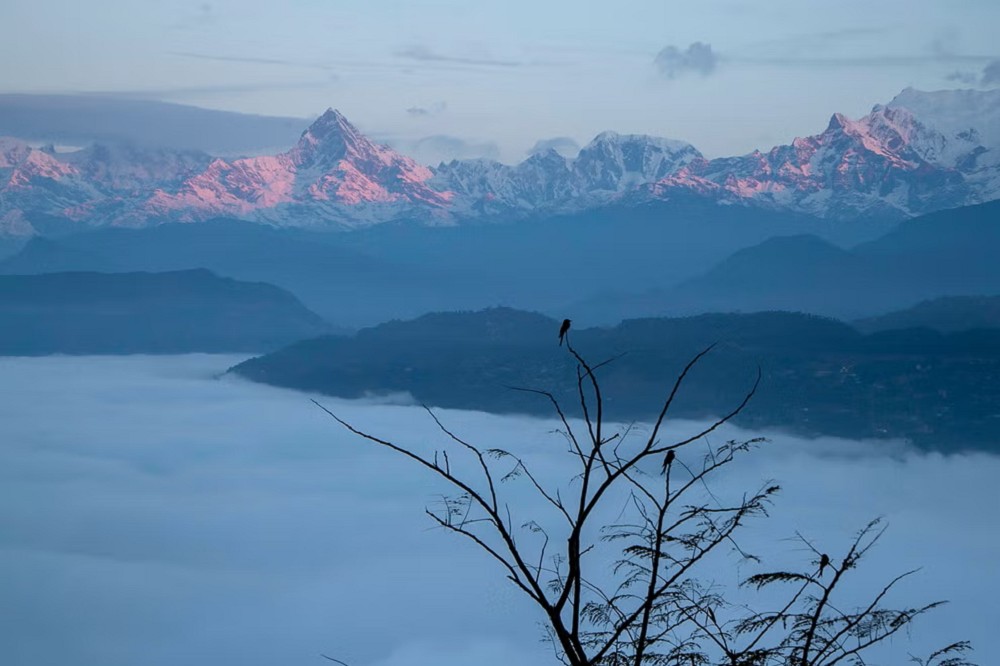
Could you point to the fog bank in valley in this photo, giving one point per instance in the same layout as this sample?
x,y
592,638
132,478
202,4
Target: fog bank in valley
x,y
153,514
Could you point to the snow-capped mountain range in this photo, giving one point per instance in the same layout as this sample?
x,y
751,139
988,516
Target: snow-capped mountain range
x,y
920,153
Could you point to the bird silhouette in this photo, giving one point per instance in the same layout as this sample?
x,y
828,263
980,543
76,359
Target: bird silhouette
x,y
563,330
824,562
668,460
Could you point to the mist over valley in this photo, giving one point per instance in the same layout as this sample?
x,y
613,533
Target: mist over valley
x,y
155,513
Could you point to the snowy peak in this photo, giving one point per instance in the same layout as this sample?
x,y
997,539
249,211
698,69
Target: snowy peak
x,y
21,165
332,120
131,169
333,169
639,152
838,123
12,152
919,153
887,163
608,166
347,167
329,139
332,138
611,138
615,161
547,157
333,143
956,112
885,131
869,152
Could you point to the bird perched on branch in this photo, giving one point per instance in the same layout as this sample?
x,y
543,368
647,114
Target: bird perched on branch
x,y
563,330
668,460
824,562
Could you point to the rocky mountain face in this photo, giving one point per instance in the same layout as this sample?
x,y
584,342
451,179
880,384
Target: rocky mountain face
x,y
333,172
921,152
885,164
98,185
608,166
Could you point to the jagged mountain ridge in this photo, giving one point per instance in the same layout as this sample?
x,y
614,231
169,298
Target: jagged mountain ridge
x,y
333,168
894,162
605,168
887,163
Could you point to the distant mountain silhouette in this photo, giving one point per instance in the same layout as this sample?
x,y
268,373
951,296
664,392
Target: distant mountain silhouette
x,y
368,276
947,314
689,258
121,313
946,253
46,255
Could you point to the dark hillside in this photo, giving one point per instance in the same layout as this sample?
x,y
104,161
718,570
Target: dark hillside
x,y
819,376
119,313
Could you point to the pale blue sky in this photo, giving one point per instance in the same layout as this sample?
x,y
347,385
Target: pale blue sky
x,y
510,72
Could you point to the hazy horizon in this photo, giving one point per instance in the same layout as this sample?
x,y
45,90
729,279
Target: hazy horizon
x,y
728,76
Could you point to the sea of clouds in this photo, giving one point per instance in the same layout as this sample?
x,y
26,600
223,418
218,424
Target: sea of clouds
x,y
154,514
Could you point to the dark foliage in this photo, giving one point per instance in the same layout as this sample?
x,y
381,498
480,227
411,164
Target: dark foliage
x,y
821,376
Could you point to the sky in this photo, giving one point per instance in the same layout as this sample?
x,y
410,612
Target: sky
x,y
493,78
151,513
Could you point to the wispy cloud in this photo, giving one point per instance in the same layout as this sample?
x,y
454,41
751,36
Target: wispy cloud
x,y
424,54
254,60
698,58
563,145
194,91
965,78
444,148
874,60
435,109
856,48
428,59
809,42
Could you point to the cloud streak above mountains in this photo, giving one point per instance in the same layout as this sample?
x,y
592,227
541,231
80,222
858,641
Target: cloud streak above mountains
x,y
741,75
153,514
439,148
425,54
563,145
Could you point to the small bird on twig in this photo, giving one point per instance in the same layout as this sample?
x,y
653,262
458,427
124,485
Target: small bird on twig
x,y
563,330
668,460
824,562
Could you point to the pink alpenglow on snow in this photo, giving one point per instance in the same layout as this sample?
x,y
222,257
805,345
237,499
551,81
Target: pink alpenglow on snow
x,y
882,161
894,162
29,165
332,162
236,188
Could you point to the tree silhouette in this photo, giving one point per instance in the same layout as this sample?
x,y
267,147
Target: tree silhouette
x,y
637,589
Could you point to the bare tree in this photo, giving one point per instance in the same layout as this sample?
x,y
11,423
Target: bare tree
x,y
636,590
